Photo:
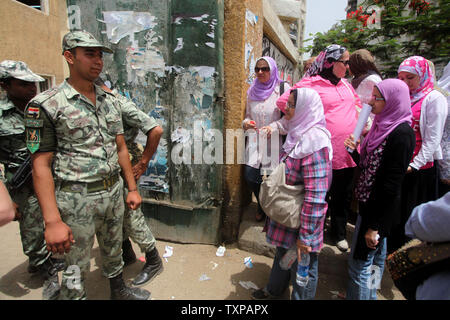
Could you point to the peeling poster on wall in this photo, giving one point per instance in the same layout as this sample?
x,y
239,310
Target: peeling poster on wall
x,y
140,60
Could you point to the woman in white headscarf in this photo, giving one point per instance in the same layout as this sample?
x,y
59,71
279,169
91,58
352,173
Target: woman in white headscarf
x,y
308,154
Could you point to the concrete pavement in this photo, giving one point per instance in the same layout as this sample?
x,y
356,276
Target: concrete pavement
x,y
193,272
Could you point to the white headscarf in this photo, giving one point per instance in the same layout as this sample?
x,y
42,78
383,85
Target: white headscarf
x,y
307,126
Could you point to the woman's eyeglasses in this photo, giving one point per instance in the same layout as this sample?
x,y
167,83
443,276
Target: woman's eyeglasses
x,y
377,98
345,63
289,106
263,69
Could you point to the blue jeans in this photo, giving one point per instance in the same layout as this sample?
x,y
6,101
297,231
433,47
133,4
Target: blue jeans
x,y
279,278
365,275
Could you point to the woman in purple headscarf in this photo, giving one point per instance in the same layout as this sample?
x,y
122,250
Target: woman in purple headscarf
x,y
385,155
261,111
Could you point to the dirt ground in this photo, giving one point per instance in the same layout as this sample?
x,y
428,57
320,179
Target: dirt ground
x,y
193,272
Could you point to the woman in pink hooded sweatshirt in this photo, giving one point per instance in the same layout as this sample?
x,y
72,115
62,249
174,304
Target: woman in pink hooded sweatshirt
x,y
339,99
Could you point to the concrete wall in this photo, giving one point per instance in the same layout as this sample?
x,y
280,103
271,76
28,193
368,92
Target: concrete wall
x,y
34,36
292,12
243,32
251,29
275,31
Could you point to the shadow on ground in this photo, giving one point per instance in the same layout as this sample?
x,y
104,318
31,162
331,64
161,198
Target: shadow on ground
x,y
18,282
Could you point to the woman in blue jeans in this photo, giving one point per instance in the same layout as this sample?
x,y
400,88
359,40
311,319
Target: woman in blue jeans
x,y
384,158
308,153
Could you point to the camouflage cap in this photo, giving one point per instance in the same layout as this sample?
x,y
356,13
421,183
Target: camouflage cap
x,y
83,38
18,70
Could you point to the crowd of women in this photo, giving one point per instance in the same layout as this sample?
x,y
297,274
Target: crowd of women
x,y
400,161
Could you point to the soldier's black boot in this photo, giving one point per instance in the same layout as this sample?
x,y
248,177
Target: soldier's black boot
x,y
49,273
59,264
153,266
128,254
119,291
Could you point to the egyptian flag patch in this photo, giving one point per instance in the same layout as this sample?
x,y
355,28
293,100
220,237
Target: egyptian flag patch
x,y
33,139
33,112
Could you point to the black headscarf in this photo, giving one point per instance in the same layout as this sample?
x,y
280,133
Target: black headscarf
x,y
323,65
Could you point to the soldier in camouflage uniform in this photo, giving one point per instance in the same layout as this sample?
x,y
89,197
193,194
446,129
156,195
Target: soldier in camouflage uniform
x,y
19,83
75,135
135,226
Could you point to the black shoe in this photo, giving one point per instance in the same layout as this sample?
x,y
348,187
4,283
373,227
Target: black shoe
x,y
128,254
48,269
261,294
59,264
119,291
153,266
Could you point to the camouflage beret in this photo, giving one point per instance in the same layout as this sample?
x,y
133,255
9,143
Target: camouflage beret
x,y
18,70
83,38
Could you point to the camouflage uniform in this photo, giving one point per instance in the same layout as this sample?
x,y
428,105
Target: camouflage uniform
x,y
13,152
89,190
134,224
2,173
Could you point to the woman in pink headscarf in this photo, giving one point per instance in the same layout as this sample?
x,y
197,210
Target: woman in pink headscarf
x,y
429,111
326,77
384,159
261,111
308,153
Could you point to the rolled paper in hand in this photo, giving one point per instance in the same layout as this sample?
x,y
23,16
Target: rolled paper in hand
x,y
362,120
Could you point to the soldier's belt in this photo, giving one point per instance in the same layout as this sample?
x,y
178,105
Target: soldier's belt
x,y
96,186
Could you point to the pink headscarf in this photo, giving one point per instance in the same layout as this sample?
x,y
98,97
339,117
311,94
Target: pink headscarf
x,y
419,66
259,91
307,126
396,111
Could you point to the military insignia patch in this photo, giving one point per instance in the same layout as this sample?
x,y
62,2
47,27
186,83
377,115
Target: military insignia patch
x,y
33,139
33,112
35,123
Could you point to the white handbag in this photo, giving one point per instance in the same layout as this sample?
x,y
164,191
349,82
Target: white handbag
x,y
281,202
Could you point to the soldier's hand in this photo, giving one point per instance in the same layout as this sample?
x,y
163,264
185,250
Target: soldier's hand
x,y
58,237
133,200
138,170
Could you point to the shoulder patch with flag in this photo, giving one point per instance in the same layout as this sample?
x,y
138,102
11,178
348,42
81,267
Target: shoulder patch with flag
x,y
33,112
33,133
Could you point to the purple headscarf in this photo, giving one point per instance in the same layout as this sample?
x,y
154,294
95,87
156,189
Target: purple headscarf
x,y
259,91
396,111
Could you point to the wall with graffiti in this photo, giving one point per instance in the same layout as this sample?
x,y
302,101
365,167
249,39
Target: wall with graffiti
x,y
285,67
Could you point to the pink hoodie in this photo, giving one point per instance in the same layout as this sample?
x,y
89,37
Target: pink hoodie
x,y
340,113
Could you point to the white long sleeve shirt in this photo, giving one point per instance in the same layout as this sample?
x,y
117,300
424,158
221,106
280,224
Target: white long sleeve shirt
x,y
432,121
258,149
